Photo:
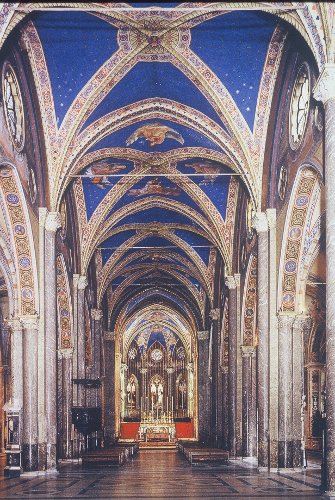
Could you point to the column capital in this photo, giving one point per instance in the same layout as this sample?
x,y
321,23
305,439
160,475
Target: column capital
x,y
215,314
42,215
230,282
109,335
15,324
224,369
75,280
65,353
248,351
237,278
190,367
170,370
82,282
30,322
143,371
325,86
285,320
124,367
96,314
260,222
302,322
271,215
203,335
52,222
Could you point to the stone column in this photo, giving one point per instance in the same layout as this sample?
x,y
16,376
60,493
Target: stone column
x,y
190,386
97,317
273,340
170,370
215,317
30,394
66,357
232,363
204,387
143,404
325,91
109,382
300,324
285,388
75,339
249,425
41,342
225,411
260,223
17,363
81,348
239,342
124,381
51,225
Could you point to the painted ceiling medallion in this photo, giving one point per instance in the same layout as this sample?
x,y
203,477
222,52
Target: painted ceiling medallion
x,y
299,107
13,107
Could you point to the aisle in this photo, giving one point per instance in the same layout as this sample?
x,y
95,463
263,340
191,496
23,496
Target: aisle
x,y
162,475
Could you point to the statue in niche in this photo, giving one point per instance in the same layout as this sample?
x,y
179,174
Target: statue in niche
x,y
131,392
160,394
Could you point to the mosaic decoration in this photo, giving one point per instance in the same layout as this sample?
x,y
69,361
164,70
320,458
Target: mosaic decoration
x,y
21,239
63,304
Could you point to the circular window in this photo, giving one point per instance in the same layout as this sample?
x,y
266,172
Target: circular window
x,y
13,106
299,106
156,355
132,353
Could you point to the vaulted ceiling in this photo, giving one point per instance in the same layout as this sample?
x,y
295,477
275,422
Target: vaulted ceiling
x,y
160,115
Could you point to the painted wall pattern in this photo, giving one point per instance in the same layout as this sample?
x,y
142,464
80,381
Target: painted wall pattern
x,y
20,234
63,305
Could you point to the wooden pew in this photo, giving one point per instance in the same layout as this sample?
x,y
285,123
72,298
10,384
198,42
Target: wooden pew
x,y
198,454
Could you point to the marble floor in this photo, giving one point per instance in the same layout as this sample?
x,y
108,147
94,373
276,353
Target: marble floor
x,y
163,474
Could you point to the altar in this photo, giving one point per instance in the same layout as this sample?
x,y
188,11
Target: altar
x,y
153,429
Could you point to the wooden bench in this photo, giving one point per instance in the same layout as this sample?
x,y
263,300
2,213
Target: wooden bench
x,y
106,456
197,454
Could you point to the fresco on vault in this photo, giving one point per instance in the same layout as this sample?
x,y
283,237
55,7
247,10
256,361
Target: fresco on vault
x,y
98,173
154,186
205,167
155,133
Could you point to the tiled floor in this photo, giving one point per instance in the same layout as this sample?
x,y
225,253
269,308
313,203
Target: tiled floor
x,y
162,475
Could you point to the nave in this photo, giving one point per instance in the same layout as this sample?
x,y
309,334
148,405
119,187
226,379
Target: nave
x,y
160,474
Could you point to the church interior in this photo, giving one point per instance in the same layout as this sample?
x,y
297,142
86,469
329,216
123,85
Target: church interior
x,y
166,233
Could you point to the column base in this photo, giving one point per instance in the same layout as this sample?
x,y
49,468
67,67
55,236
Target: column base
x,y
329,494
30,457
51,457
282,470
42,456
263,458
267,469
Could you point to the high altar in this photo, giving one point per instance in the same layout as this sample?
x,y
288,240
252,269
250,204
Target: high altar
x,y
156,381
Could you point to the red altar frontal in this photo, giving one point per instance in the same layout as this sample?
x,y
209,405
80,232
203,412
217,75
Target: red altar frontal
x,y
146,431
